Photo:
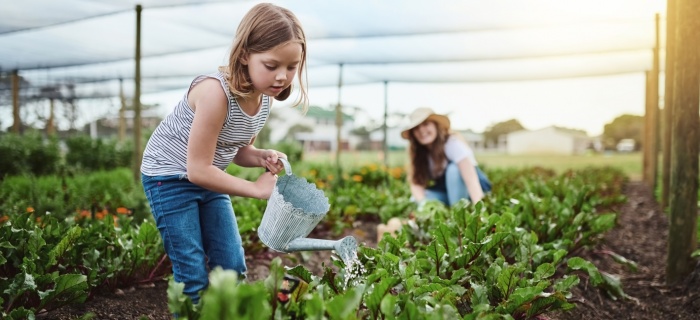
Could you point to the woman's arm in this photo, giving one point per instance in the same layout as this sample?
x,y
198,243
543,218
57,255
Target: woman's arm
x,y
418,192
210,105
471,179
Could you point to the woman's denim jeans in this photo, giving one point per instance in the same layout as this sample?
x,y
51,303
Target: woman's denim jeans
x,y
198,228
456,188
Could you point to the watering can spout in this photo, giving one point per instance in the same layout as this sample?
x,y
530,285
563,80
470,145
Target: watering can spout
x,y
346,247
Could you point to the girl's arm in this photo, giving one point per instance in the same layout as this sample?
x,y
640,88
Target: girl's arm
x,y
210,105
250,156
471,179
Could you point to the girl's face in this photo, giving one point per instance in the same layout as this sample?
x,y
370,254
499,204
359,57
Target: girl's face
x,y
425,132
273,71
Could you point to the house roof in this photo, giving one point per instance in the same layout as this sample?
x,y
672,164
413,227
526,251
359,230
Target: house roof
x,y
567,131
322,113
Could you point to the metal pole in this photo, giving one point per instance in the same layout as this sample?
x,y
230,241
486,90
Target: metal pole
x,y
683,204
668,102
17,124
122,111
137,98
339,119
386,115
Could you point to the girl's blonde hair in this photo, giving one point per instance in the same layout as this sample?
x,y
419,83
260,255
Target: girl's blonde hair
x,y
420,155
263,28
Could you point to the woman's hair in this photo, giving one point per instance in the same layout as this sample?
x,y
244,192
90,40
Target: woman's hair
x,y
419,155
263,28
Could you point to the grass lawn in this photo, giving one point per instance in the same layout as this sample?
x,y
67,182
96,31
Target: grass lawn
x,y
630,163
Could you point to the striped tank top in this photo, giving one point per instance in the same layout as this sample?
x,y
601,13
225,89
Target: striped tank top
x,y
166,150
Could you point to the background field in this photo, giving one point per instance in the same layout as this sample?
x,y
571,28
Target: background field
x,y
630,163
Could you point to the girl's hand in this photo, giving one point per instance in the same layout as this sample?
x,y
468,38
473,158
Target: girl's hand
x,y
270,160
265,184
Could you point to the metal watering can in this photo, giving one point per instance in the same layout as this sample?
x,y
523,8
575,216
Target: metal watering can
x,y
293,211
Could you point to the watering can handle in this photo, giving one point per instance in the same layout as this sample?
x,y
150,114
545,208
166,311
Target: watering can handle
x,y
287,166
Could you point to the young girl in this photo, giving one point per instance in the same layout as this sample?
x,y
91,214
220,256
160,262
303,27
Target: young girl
x,y
442,165
213,125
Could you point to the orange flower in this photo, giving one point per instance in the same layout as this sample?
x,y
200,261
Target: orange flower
x,y
4,218
357,178
122,210
30,209
396,172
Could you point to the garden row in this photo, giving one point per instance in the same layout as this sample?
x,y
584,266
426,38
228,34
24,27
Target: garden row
x,y
510,255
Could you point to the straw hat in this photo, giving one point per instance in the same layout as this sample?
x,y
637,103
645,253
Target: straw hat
x,y
422,114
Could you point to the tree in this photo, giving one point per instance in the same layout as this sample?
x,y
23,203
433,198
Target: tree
x,y
492,133
297,128
626,126
364,134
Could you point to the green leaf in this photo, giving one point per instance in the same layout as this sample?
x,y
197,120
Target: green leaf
x,y
68,289
479,298
388,305
566,283
21,314
603,222
577,263
314,307
428,288
374,299
22,283
507,280
410,311
345,305
64,245
436,251
444,236
301,272
544,271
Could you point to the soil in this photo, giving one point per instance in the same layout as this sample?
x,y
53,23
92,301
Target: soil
x,y
640,236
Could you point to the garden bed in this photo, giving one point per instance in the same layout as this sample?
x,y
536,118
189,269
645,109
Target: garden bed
x,y
639,236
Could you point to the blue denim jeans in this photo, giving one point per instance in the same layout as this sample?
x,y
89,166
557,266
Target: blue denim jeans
x,y
456,188
198,228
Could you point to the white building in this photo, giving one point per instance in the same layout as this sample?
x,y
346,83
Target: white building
x,y
321,121
474,139
549,140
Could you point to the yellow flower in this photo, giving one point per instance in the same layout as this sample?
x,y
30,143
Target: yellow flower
x,y
357,178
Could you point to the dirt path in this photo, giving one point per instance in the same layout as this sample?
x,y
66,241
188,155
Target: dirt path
x,y
640,236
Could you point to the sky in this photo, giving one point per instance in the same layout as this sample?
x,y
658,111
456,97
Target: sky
x,y
586,102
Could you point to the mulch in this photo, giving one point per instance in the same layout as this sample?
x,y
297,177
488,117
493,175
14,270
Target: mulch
x,y
640,236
